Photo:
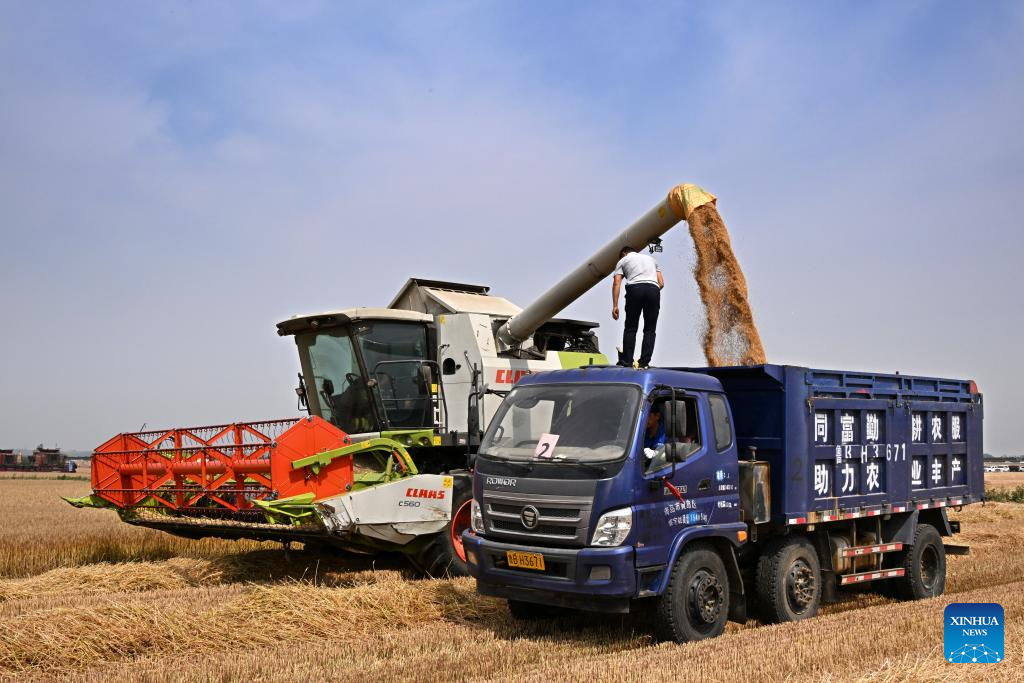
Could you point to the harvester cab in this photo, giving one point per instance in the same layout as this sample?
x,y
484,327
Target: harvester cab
x,y
367,371
430,369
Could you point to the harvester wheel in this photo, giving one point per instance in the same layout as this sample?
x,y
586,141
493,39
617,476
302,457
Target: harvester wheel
x,y
444,554
924,564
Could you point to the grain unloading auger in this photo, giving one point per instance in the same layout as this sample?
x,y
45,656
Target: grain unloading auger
x,y
396,399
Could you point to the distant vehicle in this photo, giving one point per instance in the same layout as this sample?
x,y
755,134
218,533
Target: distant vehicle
x,y
41,460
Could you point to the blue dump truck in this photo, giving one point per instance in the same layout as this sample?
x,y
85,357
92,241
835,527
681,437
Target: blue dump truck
x,y
696,496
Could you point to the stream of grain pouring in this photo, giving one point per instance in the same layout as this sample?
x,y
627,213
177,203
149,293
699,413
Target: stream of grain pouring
x,y
730,334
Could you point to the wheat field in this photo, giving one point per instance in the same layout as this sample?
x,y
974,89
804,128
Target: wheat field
x,y
1004,480
84,597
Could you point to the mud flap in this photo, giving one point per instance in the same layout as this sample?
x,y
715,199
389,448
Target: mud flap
x,y
952,549
737,598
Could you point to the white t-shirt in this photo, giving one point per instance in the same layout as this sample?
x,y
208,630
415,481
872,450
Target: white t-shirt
x,y
636,268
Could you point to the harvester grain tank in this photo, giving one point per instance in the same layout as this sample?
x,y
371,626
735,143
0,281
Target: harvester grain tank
x,y
396,399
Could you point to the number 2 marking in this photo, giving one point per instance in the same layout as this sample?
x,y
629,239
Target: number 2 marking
x,y
545,446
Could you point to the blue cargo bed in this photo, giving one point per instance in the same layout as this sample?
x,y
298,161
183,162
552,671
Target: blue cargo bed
x,y
842,445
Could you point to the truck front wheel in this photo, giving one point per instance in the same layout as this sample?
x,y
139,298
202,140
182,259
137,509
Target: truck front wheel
x,y
788,581
695,604
924,566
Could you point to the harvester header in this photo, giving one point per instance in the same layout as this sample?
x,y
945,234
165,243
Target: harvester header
x,y
191,470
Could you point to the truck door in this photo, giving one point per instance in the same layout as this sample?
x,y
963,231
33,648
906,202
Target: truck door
x,y
705,480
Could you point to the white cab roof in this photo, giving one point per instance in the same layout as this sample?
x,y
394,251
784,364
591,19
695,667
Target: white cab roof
x,y
297,323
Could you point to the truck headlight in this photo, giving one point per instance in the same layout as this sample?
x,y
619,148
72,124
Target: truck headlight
x,y
613,527
478,517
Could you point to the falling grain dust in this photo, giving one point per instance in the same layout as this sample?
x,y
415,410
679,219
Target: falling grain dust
x,y
730,336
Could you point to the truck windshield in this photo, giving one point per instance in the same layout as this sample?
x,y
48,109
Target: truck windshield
x,y
571,422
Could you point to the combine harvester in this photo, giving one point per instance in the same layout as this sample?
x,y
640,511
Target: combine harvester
x,y
397,400
41,460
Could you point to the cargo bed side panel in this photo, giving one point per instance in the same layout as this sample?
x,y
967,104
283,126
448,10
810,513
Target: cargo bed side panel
x,y
841,441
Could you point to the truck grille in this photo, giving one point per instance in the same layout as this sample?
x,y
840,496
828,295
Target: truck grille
x,y
560,520
568,532
571,514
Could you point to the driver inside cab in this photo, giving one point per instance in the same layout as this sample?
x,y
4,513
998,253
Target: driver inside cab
x,y
654,434
656,439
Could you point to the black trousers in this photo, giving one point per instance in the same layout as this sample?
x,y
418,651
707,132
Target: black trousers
x,y
646,299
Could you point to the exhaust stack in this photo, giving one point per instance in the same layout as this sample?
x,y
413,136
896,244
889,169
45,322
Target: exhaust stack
x,y
681,200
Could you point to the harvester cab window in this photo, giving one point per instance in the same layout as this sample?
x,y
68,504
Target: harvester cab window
x,y
393,353
340,386
660,432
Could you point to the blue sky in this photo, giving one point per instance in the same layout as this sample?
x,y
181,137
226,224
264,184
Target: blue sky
x,y
177,177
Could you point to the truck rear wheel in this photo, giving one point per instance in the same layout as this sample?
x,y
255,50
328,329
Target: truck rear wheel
x,y
444,555
924,565
788,583
695,604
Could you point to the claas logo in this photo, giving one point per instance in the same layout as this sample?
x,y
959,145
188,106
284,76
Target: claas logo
x,y
509,376
424,493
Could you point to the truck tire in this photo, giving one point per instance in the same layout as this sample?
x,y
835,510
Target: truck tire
x,y
695,604
444,555
788,581
924,565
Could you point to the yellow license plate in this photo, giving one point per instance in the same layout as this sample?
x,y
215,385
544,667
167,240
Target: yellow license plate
x,y
525,560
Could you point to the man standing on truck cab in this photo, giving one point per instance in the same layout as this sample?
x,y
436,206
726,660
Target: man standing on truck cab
x,y
644,283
